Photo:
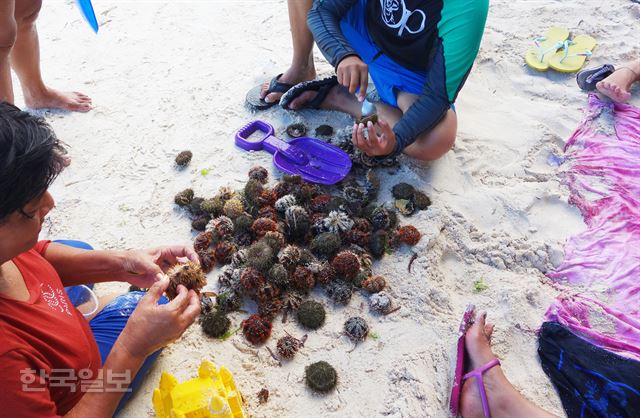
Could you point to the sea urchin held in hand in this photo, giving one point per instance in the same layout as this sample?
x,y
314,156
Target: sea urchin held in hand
x,y
321,376
190,275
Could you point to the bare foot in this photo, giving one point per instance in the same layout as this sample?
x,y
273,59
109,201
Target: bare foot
x,y
504,400
54,99
338,98
617,85
292,76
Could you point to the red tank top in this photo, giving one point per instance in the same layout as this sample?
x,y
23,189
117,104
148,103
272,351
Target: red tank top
x,y
47,350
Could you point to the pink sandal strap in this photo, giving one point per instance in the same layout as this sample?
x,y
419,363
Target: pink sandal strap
x,y
477,373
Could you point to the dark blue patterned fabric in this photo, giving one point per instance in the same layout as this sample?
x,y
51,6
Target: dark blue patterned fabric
x,y
591,381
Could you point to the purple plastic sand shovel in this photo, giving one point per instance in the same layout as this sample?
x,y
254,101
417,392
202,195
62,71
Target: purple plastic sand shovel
x,y
312,159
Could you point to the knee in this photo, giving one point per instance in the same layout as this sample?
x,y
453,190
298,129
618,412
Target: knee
x,y
29,15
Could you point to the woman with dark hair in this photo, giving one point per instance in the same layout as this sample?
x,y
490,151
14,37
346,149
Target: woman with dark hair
x,y
53,361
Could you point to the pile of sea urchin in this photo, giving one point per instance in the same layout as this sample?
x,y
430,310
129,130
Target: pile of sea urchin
x,y
275,244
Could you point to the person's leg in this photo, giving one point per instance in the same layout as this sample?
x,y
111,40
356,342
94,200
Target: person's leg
x,y
302,67
7,40
433,144
504,400
106,328
618,85
25,60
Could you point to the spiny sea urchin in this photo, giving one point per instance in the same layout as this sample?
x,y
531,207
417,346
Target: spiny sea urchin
x,y
303,279
325,245
223,251
339,291
288,346
337,222
184,197
374,284
263,225
215,323
189,274
321,376
183,158
207,260
311,314
259,173
256,329
278,276
251,279
408,235
380,302
403,191
346,264
233,207
356,328
285,202
289,256
261,256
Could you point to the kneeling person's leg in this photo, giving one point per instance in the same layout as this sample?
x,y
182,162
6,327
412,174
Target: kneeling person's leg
x,y
108,325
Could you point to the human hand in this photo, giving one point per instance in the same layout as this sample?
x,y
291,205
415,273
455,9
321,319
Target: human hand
x,y
143,268
375,143
152,326
353,73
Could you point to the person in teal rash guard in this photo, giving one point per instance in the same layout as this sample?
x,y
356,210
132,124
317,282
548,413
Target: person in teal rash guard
x,y
418,54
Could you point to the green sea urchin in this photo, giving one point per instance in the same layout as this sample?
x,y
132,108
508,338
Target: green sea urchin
x,y
311,314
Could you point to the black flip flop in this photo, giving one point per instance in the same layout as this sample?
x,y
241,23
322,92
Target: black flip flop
x,y
255,102
321,86
587,79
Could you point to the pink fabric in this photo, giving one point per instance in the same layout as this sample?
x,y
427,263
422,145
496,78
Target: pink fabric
x,y
603,262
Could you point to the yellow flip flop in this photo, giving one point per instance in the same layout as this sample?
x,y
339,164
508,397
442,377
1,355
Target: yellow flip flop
x,y
573,55
546,46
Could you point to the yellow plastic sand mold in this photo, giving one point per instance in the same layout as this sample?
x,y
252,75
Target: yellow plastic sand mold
x,y
213,394
538,58
573,57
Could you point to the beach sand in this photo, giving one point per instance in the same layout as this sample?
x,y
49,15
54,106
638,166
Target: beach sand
x,y
168,76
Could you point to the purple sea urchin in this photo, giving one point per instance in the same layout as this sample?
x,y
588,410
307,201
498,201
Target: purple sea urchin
x,y
288,346
356,328
259,173
190,275
184,197
183,158
339,291
256,329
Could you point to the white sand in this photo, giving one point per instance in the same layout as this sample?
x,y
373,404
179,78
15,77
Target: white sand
x,y
167,76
